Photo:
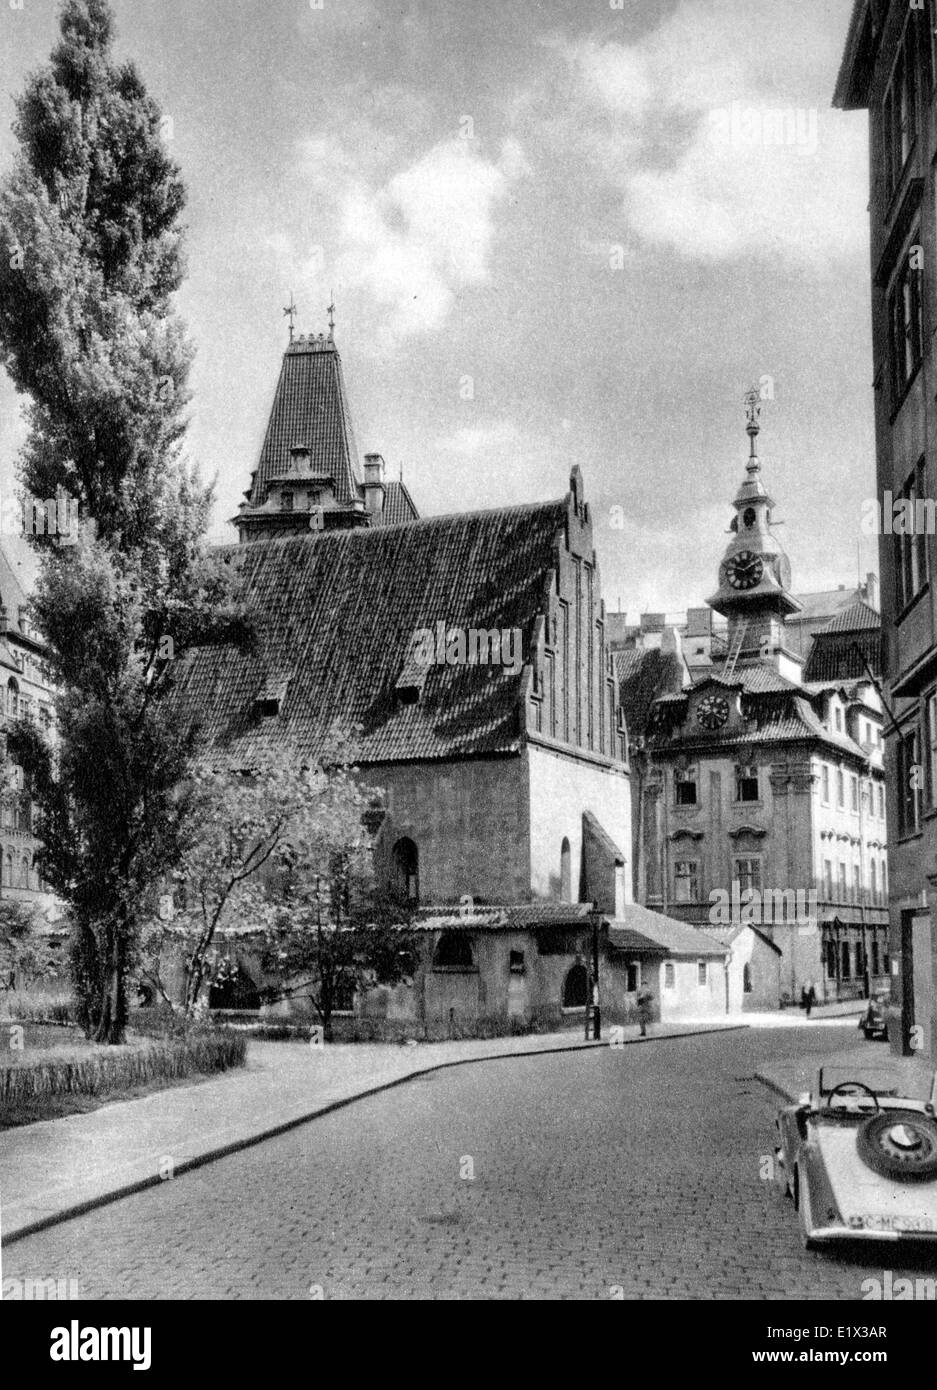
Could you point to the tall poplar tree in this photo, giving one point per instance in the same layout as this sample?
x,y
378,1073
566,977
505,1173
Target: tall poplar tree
x,y
90,258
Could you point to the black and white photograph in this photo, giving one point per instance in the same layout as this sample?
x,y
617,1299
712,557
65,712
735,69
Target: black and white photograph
x,y
468,665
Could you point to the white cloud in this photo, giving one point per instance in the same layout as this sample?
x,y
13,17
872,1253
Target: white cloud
x,y
716,129
405,229
521,466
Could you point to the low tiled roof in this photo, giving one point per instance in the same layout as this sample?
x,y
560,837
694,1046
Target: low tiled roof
x,y
860,617
728,934
513,917
822,604
850,642
335,613
310,408
640,929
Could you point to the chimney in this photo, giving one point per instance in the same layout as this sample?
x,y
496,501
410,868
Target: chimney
x,y
871,590
374,484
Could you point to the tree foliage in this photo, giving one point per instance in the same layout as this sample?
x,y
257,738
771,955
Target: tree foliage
x,y
90,256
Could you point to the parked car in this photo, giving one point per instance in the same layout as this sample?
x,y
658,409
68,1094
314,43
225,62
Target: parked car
x,y
858,1155
873,1022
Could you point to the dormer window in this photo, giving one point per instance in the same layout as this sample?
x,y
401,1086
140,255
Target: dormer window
x,y
286,501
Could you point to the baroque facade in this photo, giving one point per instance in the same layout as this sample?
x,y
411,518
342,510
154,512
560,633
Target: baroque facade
x,y
762,796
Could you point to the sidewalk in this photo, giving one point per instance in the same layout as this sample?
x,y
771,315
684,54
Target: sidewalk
x,y
57,1169
789,1079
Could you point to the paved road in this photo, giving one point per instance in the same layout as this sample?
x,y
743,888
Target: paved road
x,y
631,1172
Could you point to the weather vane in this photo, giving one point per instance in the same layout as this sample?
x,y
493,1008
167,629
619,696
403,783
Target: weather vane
x,y
331,313
290,312
753,415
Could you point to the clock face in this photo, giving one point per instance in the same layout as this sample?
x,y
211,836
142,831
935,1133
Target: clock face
x,y
712,711
744,570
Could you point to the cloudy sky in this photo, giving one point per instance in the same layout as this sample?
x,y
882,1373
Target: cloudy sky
x,y
566,232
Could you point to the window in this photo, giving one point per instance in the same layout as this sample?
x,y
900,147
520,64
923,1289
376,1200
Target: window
x,y
906,96
670,975
746,784
406,867
909,790
286,501
856,883
453,952
13,696
825,785
840,788
315,497
910,551
838,715
881,800
516,963
747,978
875,969
854,794
844,957
748,873
686,881
566,881
885,877
932,749
685,787
842,882
828,879
702,974
873,880
633,981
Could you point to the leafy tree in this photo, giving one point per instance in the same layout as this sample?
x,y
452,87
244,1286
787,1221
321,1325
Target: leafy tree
x,y
282,854
90,256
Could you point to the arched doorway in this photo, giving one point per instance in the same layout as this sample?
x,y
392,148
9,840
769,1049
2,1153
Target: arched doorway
x,y
576,987
406,860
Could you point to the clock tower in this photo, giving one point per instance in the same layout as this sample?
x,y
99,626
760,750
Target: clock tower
x,y
755,574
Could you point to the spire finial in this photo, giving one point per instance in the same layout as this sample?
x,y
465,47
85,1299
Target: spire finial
x,y
290,312
331,313
753,426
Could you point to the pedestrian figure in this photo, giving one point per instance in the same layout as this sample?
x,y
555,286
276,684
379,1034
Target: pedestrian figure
x,y
645,1003
808,997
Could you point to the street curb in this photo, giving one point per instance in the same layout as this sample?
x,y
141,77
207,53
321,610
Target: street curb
x,y
130,1189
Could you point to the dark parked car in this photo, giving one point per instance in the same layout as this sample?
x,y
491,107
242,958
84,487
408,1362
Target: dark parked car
x,y
873,1022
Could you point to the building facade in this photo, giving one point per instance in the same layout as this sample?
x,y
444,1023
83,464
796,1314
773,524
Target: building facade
x,y
764,798
888,70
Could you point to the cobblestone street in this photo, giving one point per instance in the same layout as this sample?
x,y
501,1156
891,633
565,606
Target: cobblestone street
x,y
632,1172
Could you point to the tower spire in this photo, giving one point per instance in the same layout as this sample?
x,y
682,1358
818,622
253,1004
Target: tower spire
x,y
290,312
753,426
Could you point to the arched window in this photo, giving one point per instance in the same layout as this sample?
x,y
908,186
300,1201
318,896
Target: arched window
x,y
576,987
406,859
747,978
8,868
844,956
453,952
566,873
24,871
13,697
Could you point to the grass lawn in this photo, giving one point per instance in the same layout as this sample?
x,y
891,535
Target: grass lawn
x,y
59,1044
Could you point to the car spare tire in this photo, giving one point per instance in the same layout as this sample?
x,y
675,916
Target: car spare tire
x,y
900,1144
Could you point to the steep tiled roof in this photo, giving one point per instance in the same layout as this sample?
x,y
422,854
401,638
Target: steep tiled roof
x,y
310,408
728,934
335,614
398,505
860,617
642,676
822,603
640,929
851,641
